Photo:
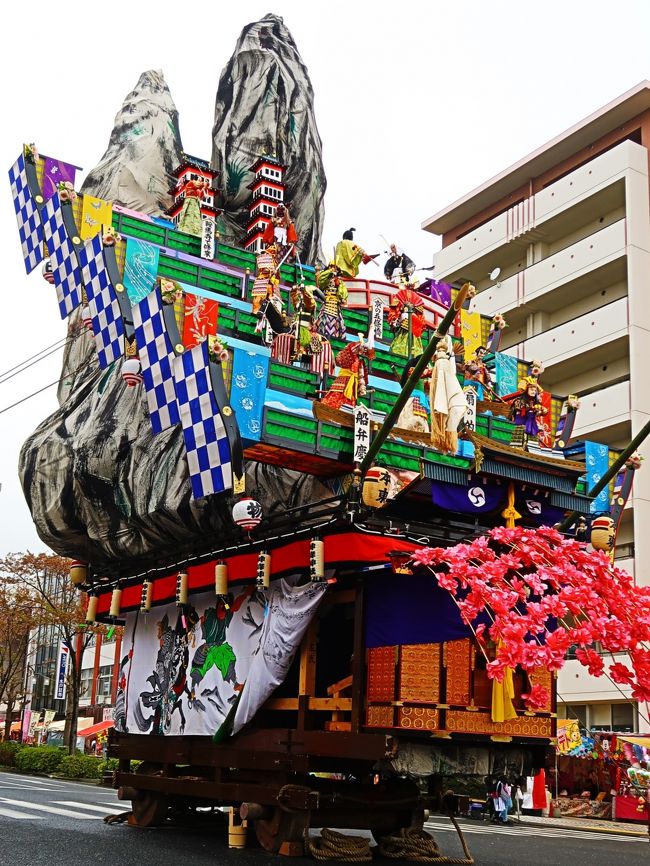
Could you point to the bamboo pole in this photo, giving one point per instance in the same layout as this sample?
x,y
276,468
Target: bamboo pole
x,y
569,520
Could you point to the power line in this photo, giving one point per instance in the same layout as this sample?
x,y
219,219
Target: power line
x,y
11,369
27,366
40,390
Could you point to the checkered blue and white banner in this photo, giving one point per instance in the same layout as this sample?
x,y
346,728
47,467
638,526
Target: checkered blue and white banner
x,y
108,327
156,356
206,441
27,215
65,268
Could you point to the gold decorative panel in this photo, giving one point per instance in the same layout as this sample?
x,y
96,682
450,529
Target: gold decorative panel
x,y
457,660
419,672
460,721
418,718
380,717
381,673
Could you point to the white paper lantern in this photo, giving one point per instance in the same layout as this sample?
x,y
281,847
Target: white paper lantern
x,y
263,571
221,578
317,559
182,583
247,513
131,372
91,610
46,270
145,596
87,319
116,598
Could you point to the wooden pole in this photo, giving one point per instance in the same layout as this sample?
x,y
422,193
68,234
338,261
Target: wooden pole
x,y
411,382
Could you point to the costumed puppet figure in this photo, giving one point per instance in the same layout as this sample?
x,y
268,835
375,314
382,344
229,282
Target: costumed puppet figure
x,y
406,308
190,221
398,265
266,279
525,410
352,380
334,292
447,400
477,374
267,298
415,414
280,231
348,256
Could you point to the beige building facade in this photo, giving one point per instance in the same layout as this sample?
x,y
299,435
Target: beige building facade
x,y
569,228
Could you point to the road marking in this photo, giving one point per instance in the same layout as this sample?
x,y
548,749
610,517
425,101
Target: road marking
x,y
92,808
53,810
20,816
532,830
27,788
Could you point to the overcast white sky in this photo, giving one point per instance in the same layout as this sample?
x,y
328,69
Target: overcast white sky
x,y
416,103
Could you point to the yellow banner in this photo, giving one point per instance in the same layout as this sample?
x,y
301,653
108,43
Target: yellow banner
x,y
568,736
470,328
94,214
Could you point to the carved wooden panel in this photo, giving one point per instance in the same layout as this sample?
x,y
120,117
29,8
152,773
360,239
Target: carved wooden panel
x,y
542,677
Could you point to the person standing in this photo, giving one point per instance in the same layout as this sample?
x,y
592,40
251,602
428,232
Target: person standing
x,y
503,801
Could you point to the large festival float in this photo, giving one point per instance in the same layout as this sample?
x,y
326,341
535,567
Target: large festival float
x,y
323,507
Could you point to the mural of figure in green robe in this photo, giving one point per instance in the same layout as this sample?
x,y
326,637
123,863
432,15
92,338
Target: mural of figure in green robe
x,y
215,651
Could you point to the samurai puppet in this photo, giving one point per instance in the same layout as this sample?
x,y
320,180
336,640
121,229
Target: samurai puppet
x,y
406,318
334,292
446,398
352,380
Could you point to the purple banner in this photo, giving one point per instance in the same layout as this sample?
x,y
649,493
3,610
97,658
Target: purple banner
x,y
437,291
54,172
477,497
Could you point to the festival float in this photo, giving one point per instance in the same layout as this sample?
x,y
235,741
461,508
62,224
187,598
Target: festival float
x,y
319,504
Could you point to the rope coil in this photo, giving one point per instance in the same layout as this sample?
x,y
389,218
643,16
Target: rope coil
x,y
337,846
416,845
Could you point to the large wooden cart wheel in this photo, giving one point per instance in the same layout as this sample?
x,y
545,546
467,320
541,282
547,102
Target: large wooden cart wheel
x,y
150,807
283,832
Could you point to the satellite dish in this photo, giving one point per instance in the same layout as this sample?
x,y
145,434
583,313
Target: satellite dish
x,y
494,274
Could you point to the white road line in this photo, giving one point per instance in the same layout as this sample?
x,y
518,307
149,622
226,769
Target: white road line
x,y
92,808
29,788
20,816
12,779
53,810
550,833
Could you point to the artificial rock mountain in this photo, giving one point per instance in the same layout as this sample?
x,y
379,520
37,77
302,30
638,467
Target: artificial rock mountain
x,y
102,488
143,150
265,104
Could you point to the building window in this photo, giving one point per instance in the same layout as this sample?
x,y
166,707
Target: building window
x,y
86,684
623,718
104,684
576,711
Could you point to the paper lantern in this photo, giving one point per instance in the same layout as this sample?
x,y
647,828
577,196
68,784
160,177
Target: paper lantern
x,y
131,372
376,484
247,513
116,598
182,584
48,276
145,596
317,559
78,572
87,319
221,578
263,579
602,533
91,610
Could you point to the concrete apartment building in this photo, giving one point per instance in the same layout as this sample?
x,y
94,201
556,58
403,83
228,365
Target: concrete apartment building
x,y
569,227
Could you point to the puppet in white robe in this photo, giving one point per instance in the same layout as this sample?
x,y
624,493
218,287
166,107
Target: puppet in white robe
x,y
447,400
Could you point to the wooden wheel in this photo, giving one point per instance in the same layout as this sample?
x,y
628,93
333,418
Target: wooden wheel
x,y
150,807
283,832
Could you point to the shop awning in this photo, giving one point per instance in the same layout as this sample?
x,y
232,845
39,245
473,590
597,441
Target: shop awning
x,y
636,740
83,722
96,729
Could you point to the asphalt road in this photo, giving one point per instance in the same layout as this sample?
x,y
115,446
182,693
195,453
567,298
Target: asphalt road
x,y
46,823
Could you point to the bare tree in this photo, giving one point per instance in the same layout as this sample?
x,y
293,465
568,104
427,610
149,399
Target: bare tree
x,y
57,604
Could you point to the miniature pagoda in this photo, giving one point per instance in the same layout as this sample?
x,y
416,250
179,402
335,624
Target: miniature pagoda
x,y
191,174
268,193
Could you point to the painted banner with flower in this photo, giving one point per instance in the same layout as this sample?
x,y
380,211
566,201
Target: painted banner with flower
x,y
543,593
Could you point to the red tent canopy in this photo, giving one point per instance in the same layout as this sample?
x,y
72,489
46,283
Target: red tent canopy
x,y
95,729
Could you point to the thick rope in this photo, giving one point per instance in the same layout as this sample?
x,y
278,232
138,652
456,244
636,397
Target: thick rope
x,y
117,819
338,846
413,844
